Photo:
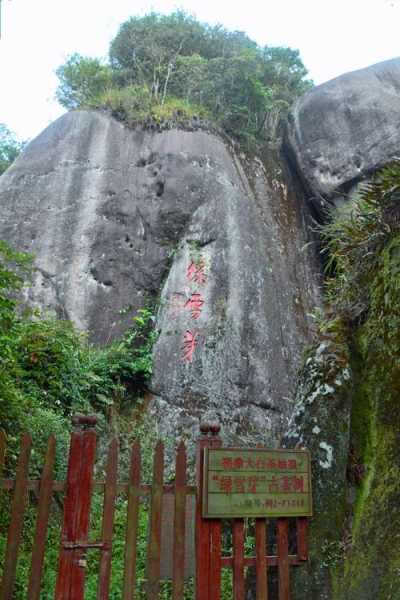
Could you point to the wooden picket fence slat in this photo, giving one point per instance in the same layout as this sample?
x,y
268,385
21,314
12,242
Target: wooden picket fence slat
x,y
261,559
64,567
18,508
75,543
132,524
202,529
154,555
40,537
283,555
238,559
208,532
179,524
301,532
110,495
214,589
71,574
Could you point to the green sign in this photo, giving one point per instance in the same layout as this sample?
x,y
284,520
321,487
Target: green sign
x,y
244,482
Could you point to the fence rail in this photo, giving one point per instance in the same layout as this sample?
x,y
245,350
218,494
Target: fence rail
x,y
212,552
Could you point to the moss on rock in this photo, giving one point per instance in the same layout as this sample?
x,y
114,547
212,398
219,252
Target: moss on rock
x,y
321,423
355,534
372,564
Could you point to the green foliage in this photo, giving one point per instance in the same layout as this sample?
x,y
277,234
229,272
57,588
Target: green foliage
x,y
147,439
14,268
49,370
354,238
158,60
81,78
134,104
363,261
10,147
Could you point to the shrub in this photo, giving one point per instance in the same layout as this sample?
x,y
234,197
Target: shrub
x,y
48,370
164,60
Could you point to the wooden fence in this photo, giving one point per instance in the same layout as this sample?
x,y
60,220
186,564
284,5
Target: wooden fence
x,y
77,492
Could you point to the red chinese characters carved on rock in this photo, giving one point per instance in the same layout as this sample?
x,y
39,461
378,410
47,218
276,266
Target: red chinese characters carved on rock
x,y
195,304
190,340
196,272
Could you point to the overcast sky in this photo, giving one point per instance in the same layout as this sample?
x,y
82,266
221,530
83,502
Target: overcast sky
x,y
37,35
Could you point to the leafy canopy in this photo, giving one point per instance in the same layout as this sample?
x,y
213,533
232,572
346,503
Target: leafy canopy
x,y
48,370
80,79
159,59
356,238
10,147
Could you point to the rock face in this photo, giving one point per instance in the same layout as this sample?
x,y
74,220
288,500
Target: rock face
x,y
234,313
120,218
100,207
345,129
117,217
321,423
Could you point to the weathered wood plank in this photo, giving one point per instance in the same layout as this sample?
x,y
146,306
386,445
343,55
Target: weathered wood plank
x,y
69,525
18,507
202,531
238,559
110,495
167,537
98,486
42,521
71,574
179,524
215,560
261,559
128,589
215,545
154,549
302,541
82,512
283,554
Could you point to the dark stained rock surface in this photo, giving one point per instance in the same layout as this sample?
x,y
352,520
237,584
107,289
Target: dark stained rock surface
x,y
321,423
100,207
343,130
116,217
258,290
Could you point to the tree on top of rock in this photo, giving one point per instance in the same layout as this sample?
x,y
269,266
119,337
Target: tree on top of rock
x,y
176,61
10,147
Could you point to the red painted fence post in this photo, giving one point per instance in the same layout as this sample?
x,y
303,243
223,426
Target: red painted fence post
x,y
208,531
74,538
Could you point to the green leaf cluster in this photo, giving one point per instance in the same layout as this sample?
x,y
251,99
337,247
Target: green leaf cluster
x,y
354,238
10,147
176,61
48,370
81,78
362,244
134,105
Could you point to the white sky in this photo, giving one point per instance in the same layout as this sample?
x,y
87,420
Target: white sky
x,y
37,36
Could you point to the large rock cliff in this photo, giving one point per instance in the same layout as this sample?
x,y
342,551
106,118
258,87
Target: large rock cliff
x,y
117,218
347,397
225,245
342,131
